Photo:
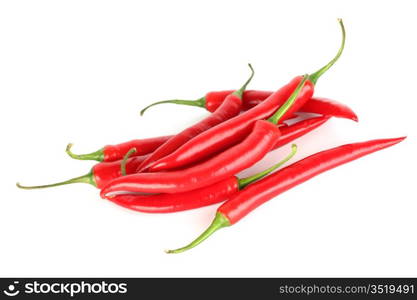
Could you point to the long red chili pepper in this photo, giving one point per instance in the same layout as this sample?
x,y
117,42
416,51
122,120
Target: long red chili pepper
x,y
111,153
321,106
329,107
258,193
234,130
229,108
100,175
208,195
251,98
257,144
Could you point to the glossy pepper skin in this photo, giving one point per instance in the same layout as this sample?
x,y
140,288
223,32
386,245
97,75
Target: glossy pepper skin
x,y
230,162
233,130
316,105
116,152
100,175
229,108
168,203
105,172
329,107
142,146
242,203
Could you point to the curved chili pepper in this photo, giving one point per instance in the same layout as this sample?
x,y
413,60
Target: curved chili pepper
x,y
229,108
234,130
100,175
251,98
208,195
321,106
329,107
111,153
257,144
212,100
242,203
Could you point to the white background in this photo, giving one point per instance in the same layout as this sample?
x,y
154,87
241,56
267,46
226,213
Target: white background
x,y
79,71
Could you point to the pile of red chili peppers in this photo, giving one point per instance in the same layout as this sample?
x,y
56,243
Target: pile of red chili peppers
x,y
198,166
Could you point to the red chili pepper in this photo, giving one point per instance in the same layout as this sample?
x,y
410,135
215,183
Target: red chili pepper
x,y
258,193
100,175
321,106
329,107
111,153
212,100
257,144
229,108
316,105
208,195
236,129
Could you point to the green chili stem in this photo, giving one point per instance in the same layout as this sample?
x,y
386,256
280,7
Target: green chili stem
x,y
97,155
202,101
199,103
125,158
240,91
219,221
243,182
316,75
290,101
87,178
